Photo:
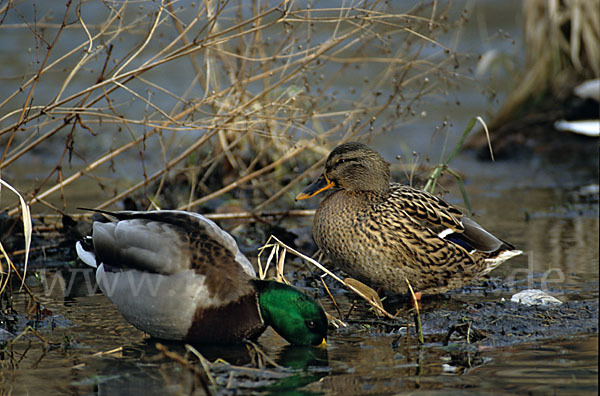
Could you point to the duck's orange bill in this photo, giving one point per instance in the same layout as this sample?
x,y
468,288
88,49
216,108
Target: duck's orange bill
x,y
319,185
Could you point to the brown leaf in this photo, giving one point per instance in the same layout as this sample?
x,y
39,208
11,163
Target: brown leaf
x,y
369,292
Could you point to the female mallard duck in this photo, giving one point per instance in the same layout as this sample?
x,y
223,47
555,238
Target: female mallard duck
x,y
384,233
176,275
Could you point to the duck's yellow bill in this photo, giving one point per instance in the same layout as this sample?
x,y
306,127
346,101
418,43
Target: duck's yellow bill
x,y
318,186
323,344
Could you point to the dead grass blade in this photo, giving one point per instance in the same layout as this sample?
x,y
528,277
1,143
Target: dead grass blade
x,y
27,230
369,292
204,362
275,244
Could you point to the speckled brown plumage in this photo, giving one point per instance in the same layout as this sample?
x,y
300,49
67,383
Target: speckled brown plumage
x,y
383,234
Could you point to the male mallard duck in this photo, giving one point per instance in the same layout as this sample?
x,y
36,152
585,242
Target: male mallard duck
x,y
384,233
177,275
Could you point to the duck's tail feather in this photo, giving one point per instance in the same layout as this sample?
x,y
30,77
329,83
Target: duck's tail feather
x,y
85,251
502,256
480,239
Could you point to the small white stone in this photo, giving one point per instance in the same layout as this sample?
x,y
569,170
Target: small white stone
x,y
535,297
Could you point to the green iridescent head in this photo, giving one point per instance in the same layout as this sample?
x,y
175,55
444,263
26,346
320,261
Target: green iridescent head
x,y
293,315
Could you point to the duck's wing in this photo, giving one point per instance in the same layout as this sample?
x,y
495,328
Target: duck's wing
x,y
446,221
165,242
477,238
175,275
431,211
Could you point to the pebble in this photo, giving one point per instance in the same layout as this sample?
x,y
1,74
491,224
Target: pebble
x,y
535,297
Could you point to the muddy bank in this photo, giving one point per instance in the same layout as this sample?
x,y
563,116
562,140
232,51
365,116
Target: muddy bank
x,y
508,323
490,323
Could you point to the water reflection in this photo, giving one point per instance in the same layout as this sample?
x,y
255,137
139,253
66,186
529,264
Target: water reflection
x,y
142,366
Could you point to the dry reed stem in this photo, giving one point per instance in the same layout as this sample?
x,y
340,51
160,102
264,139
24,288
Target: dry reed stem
x,y
183,155
27,231
255,70
561,41
109,352
275,246
203,361
335,304
26,330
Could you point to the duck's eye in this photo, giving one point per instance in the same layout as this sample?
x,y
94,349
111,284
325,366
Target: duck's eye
x,y
310,324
